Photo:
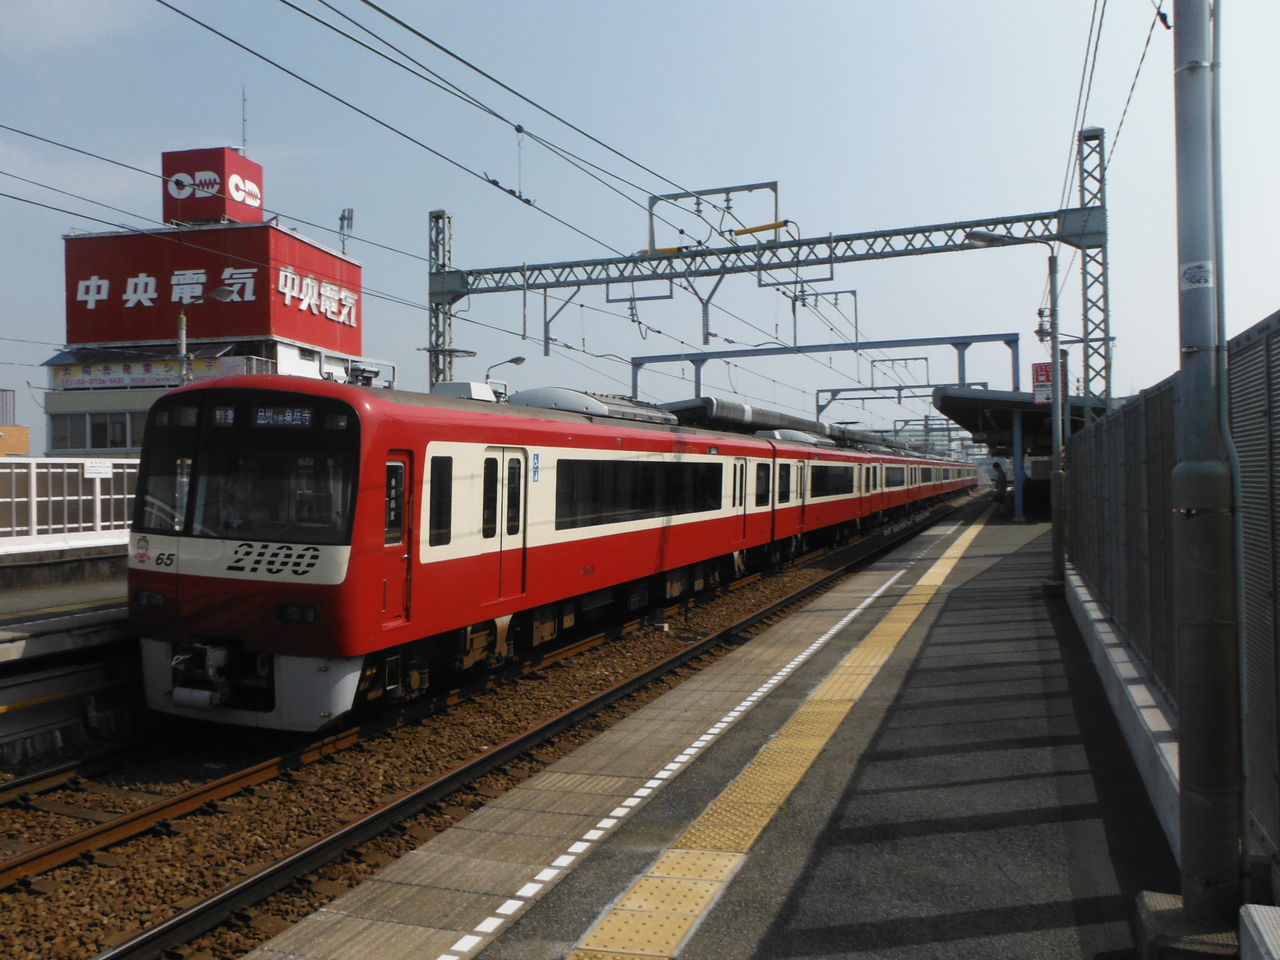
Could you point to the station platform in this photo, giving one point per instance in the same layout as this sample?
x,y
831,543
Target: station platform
x,y
920,763
38,621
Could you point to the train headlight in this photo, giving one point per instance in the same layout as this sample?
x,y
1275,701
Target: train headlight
x,y
296,613
148,598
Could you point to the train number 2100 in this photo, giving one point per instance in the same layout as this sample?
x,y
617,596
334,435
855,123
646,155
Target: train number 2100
x,y
274,559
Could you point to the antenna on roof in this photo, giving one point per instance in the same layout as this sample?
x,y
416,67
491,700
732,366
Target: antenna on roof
x,y
346,219
244,120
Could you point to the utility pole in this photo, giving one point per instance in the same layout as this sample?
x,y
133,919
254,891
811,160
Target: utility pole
x,y
1204,535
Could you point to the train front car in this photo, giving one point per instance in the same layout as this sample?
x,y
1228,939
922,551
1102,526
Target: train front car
x,y
241,539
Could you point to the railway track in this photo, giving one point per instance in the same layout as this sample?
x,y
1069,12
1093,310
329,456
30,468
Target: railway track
x,y
187,813
63,678
75,793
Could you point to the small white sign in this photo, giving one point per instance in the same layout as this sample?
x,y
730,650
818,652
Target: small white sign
x,y
98,469
1195,276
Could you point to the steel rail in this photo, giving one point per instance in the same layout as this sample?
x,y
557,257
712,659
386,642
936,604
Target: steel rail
x,y
59,852
52,777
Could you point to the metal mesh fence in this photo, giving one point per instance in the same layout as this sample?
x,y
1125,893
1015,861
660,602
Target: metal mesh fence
x,y
1120,541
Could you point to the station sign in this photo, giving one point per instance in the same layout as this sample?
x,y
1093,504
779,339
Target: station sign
x,y
214,185
228,280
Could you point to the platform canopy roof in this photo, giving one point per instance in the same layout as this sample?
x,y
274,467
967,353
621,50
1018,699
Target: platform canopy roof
x,y
989,416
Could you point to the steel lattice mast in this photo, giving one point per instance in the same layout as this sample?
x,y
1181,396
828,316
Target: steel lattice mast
x,y
1083,227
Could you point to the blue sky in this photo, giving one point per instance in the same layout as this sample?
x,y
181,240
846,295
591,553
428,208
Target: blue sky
x,y
870,116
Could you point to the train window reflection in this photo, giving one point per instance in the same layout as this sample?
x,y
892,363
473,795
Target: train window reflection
x,y
489,499
440,502
164,501
593,492
830,481
513,496
762,484
295,497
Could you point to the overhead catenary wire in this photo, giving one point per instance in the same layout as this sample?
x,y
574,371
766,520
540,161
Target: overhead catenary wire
x,y
296,76
183,238
159,176
1092,45
166,232
516,93
446,86
400,300
384,124
1160,17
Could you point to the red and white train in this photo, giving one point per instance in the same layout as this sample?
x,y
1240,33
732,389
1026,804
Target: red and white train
x,y
301,547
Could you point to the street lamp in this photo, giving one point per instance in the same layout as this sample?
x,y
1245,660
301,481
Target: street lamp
x,y
515,361
1056,477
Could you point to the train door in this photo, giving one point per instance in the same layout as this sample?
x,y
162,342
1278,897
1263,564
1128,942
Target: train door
x,y
740,495
502,525
397,566
802,490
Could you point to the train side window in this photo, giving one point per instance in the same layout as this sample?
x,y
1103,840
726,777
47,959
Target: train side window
x,y
395,503
831,481
784,483
164,501
489,499
514,489
762,484
440,502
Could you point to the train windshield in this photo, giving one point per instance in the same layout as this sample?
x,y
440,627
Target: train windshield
x,y
249,465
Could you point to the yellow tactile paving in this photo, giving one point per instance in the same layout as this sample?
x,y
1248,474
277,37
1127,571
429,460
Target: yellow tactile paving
x,y
670,895
650,934
696,865
847,687
757,790
652,919
725,836
800,751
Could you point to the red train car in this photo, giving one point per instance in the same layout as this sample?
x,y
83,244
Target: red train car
x,y
300,547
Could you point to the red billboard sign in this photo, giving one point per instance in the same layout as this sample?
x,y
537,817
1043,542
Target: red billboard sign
x,y
230,281
1042,382
211,185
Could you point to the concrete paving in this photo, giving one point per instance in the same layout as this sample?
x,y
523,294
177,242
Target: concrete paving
x,y
19,604
977,801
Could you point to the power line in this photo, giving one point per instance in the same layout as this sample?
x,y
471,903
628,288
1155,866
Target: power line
x,y
183,239
159,176
1086,74
441,83
1160,17
516,93
385,125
